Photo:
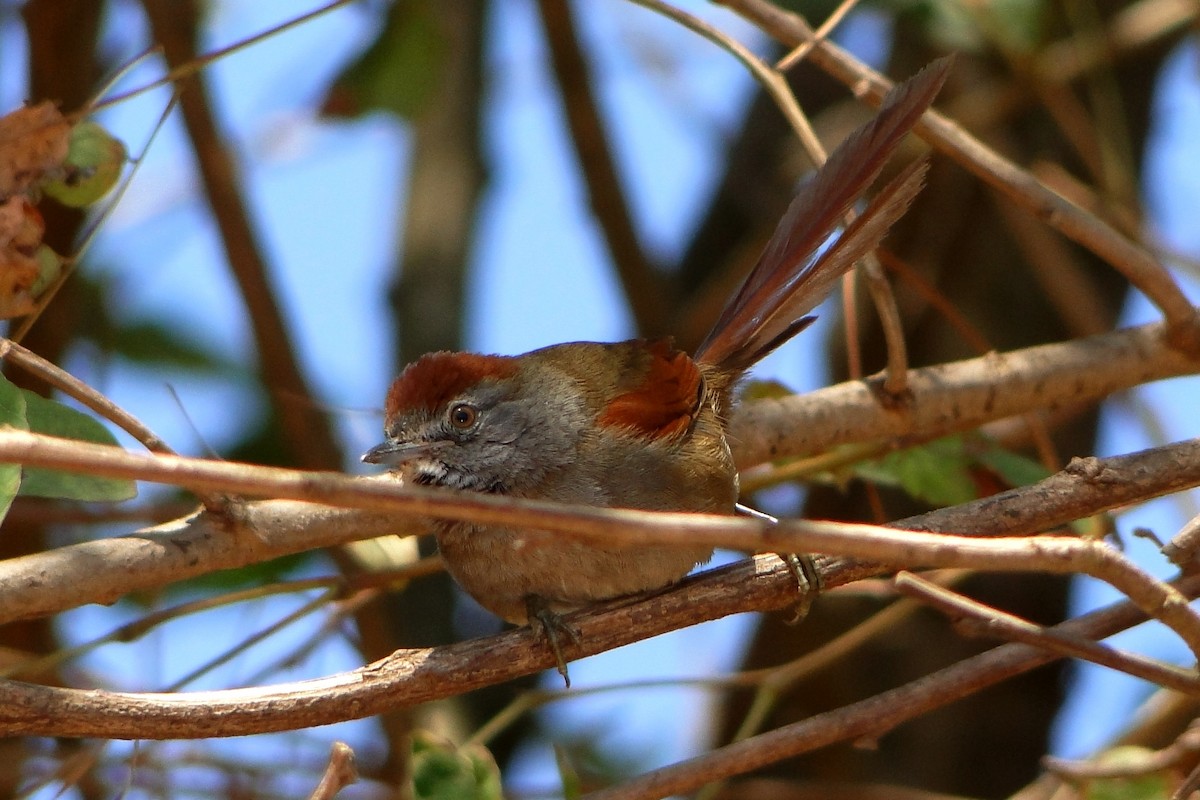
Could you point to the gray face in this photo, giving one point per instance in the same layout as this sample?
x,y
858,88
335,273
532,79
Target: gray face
x,y
484,439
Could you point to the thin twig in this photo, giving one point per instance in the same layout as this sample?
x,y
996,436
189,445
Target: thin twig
x,y
777,87
1132,260
201,62
797,54
987,621
71,386
645,290
312,443
340,772
867,718
1188,786
895,373
775,682
249,641
1184,748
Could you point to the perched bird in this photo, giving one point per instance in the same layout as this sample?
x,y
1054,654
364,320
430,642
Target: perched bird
x,y
634,424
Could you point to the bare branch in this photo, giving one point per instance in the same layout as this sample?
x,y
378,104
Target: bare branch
x,y
105,570
959,396
982,620
1183,749
1182,548
1130,258
314,445
645,290
340,772
45,583
874,716
406,678
409,677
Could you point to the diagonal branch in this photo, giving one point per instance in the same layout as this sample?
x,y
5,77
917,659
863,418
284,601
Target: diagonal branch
x,y
873,717
67,577
644,286
1130,258
308,430
975,618
409,677
960,395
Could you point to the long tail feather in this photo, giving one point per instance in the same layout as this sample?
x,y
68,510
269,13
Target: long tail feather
x,y
859,239
788,282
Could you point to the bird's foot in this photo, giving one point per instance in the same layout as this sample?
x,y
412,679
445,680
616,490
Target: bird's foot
x,y
552,628
808,584
802,567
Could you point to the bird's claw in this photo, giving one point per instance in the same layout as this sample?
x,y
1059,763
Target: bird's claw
x,y
552,626
802,567
808,584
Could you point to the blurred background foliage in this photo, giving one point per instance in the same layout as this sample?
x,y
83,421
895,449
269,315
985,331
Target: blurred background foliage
x,y
415,176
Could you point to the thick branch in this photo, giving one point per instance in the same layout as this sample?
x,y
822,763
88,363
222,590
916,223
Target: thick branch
x,y
105,570
1086,229
959,396
44,583
875,716
408,677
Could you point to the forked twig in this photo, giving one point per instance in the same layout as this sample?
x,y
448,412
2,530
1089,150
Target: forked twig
x,y
775,84
1130,258
983,620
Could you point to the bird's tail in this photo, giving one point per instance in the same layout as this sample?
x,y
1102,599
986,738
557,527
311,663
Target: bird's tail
x,y
793,275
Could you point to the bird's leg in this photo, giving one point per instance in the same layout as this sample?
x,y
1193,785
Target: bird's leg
x,y
802,567
552,625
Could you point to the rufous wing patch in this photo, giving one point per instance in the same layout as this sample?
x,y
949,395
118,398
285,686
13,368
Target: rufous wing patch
x,y
665,400
437,378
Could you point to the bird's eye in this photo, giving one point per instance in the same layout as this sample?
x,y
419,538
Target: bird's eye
x,y
463,416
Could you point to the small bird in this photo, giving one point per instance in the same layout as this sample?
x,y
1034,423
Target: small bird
x,y
635,424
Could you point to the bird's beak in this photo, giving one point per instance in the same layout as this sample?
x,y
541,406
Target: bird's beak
x,y
394,454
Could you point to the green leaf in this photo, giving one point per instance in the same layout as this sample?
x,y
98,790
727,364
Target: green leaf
x,y
12,405
937,472
764,390
1013,469
12,413
1145,781
949,471
92,168
50,266
401,70
442,771
156,343
55,419
572,786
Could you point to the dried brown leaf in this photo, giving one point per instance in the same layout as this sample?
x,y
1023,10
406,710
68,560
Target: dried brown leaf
x,y
33,141
21,229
